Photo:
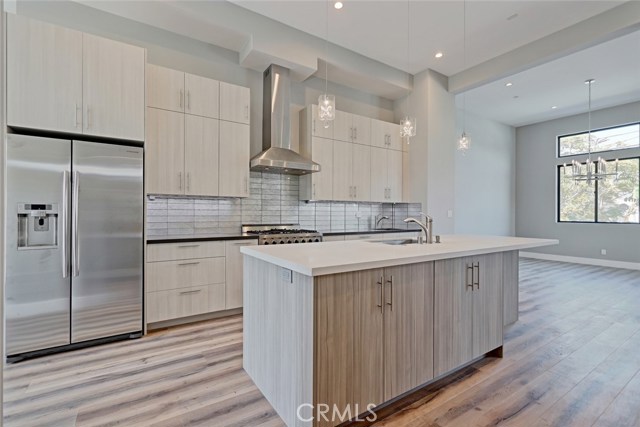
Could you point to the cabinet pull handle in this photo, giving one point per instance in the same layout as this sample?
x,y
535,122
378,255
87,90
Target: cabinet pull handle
x,y
314,190
390,282
195,291
355,133
381,283
351,131
355,191
189,100
469,281
188,181
246,112
180,178
181,98
476,267
313,125
75,116
189,263
188,246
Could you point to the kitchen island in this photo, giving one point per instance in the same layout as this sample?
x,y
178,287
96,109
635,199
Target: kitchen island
x,y
333,330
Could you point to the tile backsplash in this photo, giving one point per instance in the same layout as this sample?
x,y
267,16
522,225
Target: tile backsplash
x,y
273,200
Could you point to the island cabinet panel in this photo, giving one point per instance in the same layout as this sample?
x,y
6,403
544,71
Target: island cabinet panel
x,y
374,336
468,310
510,280
408,327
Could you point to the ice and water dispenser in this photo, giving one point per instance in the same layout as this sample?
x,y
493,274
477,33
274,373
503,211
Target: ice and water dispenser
x,y
37,225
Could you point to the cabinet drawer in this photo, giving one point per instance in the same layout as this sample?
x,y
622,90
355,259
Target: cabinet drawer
x,y
177,251
175,303
167,275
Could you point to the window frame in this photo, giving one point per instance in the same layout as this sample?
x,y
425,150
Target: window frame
x,y
559,177
560,156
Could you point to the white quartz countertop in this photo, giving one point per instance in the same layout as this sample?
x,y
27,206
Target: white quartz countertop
x,y
317,259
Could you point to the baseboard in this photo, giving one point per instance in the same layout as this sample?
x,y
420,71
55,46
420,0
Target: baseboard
x,y
581,260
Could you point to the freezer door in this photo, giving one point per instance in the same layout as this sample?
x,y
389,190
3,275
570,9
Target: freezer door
x,y
107,223
37,248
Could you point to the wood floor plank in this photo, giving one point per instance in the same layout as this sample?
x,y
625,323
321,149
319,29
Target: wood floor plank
x,y
571,360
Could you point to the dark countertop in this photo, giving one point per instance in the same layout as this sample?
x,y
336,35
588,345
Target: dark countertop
x,y
177,238
379,231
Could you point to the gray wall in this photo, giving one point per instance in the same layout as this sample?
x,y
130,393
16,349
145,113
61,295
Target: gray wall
x,y
536,190
485,178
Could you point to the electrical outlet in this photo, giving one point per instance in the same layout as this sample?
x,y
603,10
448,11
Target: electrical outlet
x,y
603,251
287,275
449,213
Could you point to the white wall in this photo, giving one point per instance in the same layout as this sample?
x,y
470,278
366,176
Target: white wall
x,y
485,178
536,194
431,160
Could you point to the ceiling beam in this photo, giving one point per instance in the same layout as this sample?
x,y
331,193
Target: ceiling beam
x,y
616,22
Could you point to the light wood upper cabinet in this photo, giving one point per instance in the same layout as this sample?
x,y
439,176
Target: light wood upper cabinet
x,y
165,88
319,185
202,96
44,75
385,135
113,88
468,309
64,80
352,128
164,162
361,172
233,268
201,155
342,170
234,103
234,159
386,175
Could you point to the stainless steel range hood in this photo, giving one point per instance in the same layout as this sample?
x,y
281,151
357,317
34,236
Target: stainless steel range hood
x,y
277,155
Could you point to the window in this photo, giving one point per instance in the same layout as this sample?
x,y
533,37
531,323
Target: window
x,y
609,201
616,138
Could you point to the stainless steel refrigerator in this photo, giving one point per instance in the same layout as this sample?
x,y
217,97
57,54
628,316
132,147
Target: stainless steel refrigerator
x,y
74,224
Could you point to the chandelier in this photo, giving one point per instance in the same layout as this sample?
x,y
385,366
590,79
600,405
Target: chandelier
x,y
408,123
326,102
590,170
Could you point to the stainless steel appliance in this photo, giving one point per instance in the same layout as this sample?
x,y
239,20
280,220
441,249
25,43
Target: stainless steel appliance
x,y
279,234
74,215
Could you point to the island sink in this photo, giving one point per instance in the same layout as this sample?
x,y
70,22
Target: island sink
x,y
396,242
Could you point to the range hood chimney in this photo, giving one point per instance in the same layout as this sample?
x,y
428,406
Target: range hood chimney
x,y
277,155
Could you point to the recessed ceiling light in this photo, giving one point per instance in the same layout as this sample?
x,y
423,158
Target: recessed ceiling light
x,y
516,97
338,5
554,107
514,16
509,84
439,55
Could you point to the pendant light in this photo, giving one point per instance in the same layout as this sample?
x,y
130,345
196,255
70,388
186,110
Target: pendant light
x,y
464,142
326,102
593,171
408,123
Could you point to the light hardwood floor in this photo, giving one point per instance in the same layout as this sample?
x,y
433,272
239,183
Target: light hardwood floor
x,y
573,359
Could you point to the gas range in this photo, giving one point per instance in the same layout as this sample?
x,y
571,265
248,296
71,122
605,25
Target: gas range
x,y
280,234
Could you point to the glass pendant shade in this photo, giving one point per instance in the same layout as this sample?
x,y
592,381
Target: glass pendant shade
x,y
464,143
326,109
408,127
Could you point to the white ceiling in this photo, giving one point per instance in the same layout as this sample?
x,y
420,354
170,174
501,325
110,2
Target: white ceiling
x,y
614,64
378,29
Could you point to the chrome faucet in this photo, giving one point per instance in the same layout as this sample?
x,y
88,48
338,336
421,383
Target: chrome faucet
x,y
379,218
426,227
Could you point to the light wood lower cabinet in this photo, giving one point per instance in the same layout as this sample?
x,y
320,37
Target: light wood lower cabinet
x,y
192,278
374,335
468,309
233,271
510,265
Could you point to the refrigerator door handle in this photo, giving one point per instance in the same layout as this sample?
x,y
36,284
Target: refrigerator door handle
x,y
74,228
64,233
